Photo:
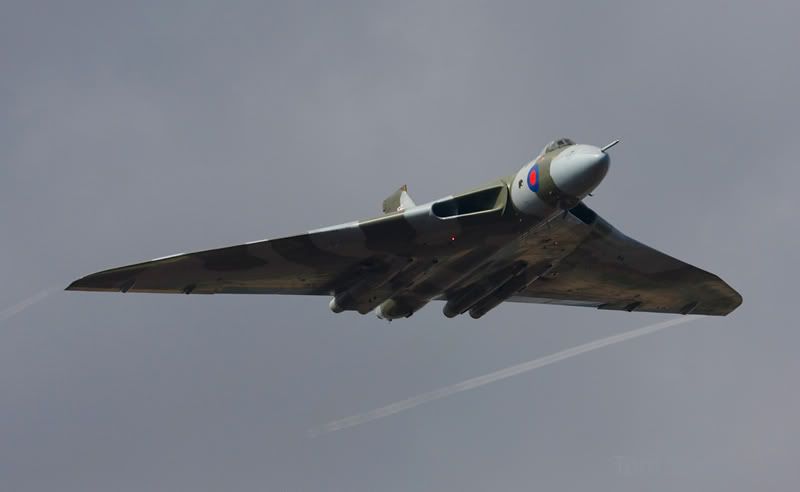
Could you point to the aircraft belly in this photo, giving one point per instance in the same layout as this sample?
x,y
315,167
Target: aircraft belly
x,y
439,273
482,266
531,255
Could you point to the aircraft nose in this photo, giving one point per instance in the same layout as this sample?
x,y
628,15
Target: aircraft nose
x,y
579,170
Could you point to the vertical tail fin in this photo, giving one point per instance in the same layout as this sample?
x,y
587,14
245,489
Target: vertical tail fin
x,y
397,201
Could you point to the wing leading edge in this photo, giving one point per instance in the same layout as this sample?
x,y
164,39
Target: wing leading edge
x,y
609,270
314,263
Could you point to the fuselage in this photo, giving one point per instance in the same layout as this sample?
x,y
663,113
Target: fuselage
x,y
479,234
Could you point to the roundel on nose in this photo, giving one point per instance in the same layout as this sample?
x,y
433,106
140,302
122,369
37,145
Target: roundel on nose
x,y
533,178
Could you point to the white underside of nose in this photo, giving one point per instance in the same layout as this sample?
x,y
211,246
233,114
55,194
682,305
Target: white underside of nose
x,y
579,169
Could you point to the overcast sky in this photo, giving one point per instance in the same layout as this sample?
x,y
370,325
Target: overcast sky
x,y
133,130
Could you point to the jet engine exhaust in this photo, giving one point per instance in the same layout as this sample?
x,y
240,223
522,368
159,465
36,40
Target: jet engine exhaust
x,y
492,377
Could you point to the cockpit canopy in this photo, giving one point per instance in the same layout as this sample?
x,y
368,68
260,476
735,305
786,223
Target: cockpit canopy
x,y
557,144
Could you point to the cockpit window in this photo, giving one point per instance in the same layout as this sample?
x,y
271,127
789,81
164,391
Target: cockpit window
x,y
557,144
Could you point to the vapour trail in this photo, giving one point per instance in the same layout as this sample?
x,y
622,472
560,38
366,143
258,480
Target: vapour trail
x,y
22,305
479,381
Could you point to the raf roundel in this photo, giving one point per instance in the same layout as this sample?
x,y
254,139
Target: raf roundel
x,y
533,178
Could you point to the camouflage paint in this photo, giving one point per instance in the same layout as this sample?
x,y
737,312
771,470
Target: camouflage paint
x,y
402,260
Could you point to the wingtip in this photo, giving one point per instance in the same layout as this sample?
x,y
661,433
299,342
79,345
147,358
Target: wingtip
x,y
77,284
725,305
732,297
98,283
736,302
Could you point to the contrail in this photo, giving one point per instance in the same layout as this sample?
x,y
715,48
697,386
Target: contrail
x,y
479,381
22,305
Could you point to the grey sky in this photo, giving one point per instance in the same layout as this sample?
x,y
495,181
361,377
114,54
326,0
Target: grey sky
x,y
134,130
